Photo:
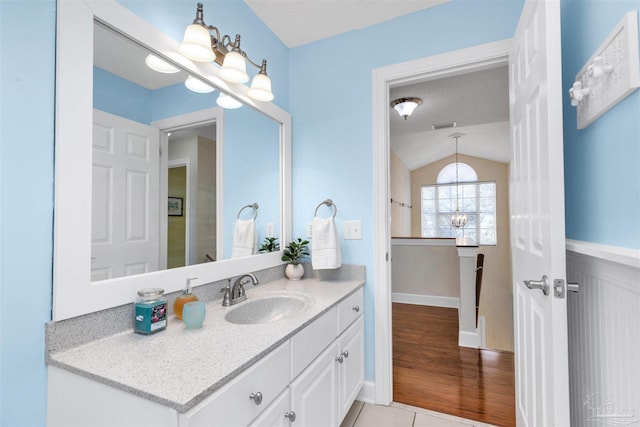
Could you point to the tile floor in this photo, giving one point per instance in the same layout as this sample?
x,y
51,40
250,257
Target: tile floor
x,y
398,415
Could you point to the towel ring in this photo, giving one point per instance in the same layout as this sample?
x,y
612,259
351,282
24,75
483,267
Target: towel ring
x,y
329,203
254,206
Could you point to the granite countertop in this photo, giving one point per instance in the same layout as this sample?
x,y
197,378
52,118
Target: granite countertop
x,y
155,366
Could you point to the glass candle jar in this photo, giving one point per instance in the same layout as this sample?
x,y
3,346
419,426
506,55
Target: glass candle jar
x,y
150,311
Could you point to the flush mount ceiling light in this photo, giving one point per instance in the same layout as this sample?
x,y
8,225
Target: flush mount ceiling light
x,y
203,43
405,106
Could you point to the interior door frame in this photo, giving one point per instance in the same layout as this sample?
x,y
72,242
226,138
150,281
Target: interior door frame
x,y
186,163
448,64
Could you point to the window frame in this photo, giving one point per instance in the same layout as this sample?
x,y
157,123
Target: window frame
x,y
474,233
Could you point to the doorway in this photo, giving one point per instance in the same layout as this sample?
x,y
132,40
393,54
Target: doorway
x,y
458,62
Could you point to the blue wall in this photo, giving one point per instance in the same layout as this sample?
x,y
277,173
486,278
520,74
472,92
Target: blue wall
x,y
602,162
332,143
332,149
26,205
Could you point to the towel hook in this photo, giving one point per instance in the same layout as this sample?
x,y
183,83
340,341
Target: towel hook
x,y
329,203
254,206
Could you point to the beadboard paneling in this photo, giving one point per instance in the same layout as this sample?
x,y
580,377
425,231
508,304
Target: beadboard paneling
x,y
604,341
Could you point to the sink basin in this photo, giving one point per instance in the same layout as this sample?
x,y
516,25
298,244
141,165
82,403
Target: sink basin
x,y
267,309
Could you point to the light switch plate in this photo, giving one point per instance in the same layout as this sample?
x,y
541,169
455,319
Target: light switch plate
x,y
353,230
269,231
309,229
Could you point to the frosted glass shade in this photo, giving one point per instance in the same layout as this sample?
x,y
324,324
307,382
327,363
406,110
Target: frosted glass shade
x,y
228,102
234,68
405,108
261,88
197,85
196,44
160,65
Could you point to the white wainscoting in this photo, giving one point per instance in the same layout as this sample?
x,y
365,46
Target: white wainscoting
x,y
604,335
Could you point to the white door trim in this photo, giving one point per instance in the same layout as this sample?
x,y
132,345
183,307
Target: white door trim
x,y
447,64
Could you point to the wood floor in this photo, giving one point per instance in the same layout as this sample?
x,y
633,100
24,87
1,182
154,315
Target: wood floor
x,y
431,371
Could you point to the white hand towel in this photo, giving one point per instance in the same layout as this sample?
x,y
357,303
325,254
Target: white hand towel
x,y
325,247
244,238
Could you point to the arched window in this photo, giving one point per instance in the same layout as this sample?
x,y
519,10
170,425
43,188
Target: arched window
x,y
477,199
465,174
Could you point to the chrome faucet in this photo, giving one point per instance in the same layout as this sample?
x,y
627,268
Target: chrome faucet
x,y
235,294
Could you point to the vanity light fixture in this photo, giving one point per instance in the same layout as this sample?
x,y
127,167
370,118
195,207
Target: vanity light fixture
x,y
160,65
228,102
458,218
197,85
405,106
203,43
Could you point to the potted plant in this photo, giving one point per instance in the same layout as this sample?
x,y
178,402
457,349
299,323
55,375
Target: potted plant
x,y
294,254
270,244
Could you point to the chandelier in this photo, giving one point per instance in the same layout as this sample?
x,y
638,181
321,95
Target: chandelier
x,y
458,218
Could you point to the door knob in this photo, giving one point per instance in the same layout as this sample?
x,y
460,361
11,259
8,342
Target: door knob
x,y
543,284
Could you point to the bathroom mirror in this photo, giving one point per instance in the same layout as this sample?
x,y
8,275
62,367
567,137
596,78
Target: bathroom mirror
x,y
139,97
74,292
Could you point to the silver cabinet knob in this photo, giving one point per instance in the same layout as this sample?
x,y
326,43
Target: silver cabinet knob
x,y
256,397
340,359
291,415
356,308
345,353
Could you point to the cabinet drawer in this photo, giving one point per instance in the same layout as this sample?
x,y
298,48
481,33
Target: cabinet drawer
x,y
350,309
231,405
307,344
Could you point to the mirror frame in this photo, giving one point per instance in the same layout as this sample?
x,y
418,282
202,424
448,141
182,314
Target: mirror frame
x,y
73,292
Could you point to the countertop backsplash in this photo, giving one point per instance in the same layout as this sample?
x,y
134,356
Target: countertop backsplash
x,y
69,333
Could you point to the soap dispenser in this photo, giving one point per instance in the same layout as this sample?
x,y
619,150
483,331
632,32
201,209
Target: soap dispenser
x,y
186,297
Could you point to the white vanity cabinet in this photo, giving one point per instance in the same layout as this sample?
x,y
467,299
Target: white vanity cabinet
x,y
323,393
310,379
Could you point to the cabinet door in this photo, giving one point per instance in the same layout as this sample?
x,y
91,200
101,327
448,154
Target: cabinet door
x,y
314,392
351,370
273,416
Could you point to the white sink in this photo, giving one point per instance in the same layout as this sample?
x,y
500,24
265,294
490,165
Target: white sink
x,y
266,309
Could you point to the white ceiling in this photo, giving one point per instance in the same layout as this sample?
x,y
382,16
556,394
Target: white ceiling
x,y
298,22
479,104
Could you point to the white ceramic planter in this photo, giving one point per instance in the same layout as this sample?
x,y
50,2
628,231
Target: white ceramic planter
x,y
294,271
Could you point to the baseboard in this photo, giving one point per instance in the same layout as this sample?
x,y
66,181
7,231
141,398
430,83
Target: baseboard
x,y
432,300
468,339
368,393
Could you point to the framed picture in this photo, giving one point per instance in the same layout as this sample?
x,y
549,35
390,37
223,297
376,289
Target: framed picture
x,y
175,206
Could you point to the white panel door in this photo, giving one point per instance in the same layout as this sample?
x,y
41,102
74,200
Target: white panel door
x,y
125,201
537,217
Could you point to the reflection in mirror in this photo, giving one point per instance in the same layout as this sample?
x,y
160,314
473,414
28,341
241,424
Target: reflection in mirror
x,y
157,202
